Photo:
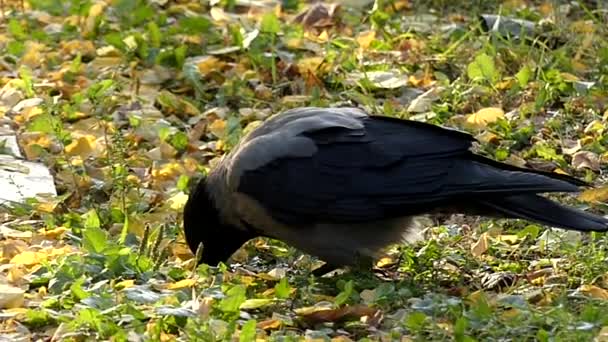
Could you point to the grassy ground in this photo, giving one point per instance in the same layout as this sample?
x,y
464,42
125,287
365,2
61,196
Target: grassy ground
x,y
136,97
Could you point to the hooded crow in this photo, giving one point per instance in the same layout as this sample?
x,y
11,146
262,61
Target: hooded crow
x,y
340,184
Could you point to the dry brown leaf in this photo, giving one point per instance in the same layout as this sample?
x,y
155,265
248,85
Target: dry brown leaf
x,y
570,147
586,160
11,297
344,313
481,246
485,116
318,15
270,324
594,291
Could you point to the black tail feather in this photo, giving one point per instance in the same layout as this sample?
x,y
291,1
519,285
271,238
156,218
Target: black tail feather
x,y
537,208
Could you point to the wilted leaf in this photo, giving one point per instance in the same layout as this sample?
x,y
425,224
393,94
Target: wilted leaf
x,y
344,313
594,195
586,160
255,303
481,246
82,146
184,283
594,291
11,297
28,258
270,324
379,79
365,38
485,116
218,128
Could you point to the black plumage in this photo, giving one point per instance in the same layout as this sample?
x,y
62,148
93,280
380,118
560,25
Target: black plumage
x,y
340,184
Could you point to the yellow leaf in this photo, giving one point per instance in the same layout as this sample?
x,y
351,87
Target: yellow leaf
x,y
218,128
510,314
510,239
178,201
386,261
481,246
28,258
29,112
309,64
365,38
182,284
83,146
33,54
506,84
168,171
485,116
207,64
125,284
53,233
11,297
594,195
594,291
569,77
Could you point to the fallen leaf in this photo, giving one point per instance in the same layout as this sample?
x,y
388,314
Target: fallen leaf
x,y
255,303
586,160
485,116
481,246
365,38
317,15
83,146
594,195
125,284
184,283
344,313
570,146
270,324
208,64
11,297
385,261
309,65
177,201
594,291
510,239
218,128
28,258
379,79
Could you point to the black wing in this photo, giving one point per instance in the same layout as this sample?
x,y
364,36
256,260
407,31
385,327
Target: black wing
x,y
387,168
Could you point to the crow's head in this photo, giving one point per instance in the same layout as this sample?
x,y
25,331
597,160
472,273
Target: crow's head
x,y
203,223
